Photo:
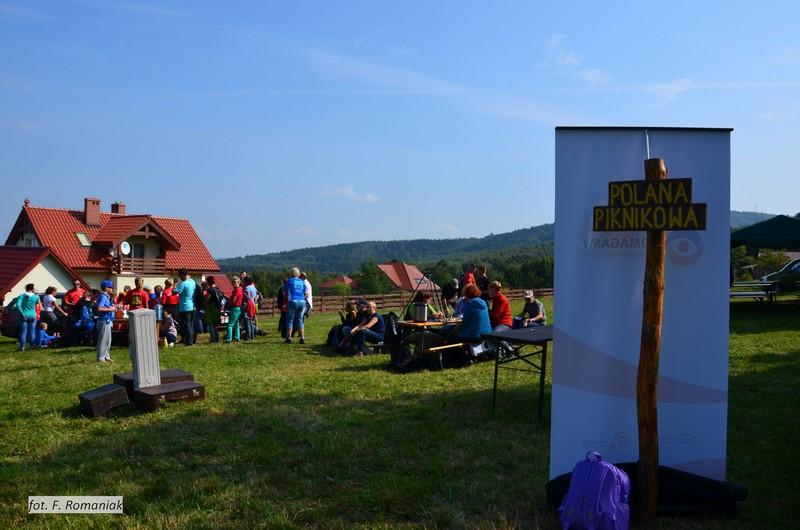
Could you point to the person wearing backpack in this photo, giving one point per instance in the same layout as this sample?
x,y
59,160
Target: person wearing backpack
x,y
296,296
213,307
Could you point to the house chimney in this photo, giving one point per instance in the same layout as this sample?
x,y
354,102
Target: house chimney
x,y
118,207
91,211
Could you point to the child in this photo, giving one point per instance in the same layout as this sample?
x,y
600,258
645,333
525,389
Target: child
x,y
167,329
43,340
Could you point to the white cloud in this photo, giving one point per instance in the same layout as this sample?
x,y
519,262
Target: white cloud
x,y
21,125
19,13
669,90
147,9
349,192
445,228
788,57
305,230
397,81
344,232
569,61
230,93
779,111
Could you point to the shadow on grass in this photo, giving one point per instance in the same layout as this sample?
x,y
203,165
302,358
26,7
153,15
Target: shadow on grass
x,y
763,431
762,317
309,459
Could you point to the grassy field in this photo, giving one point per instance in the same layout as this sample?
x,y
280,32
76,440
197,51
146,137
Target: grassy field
x,y
291,436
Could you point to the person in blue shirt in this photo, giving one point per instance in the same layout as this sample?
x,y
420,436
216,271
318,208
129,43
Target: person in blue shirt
x,y
44,339
296,295
26,305
185,291
105,317
475,316
371,330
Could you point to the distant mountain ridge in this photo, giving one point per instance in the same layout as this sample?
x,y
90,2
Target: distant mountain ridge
x,y
348,257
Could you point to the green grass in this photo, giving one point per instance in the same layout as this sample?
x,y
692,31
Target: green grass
x,y
294,437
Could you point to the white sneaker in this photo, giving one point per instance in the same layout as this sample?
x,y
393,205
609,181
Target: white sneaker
x,y
170,345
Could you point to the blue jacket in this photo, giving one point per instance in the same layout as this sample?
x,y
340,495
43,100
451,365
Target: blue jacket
x,y
475,320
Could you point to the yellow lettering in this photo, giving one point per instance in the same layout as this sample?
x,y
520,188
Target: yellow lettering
x,y
613,194
650,196
676,217
659,217
691,218
646,223
680,193
599,216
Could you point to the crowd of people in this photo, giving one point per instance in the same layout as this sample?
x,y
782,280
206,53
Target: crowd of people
x,y
473,306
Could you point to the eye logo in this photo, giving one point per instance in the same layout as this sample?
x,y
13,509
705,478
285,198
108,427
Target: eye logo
x,y
684,248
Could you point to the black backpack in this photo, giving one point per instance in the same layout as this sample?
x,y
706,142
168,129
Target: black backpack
x,y
391,334
215,297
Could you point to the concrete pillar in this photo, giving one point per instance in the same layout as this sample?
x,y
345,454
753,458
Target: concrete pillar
x,y
144,348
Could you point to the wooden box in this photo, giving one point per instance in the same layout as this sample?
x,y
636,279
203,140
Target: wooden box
x,y
167,376
153,397
97,402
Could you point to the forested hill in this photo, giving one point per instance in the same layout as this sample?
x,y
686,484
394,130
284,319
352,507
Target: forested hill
x,y
742,219
348,257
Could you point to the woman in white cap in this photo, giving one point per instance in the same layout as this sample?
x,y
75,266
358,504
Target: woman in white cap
x,y
532,315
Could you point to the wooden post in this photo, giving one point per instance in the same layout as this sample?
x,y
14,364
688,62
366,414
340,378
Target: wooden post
x,y
647,377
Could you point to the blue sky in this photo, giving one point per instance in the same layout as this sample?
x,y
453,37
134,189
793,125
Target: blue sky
x,y
277,125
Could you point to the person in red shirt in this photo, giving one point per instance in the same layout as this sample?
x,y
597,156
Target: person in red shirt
x,y
137,297
73,296
500,314
234,311
169,300
468,277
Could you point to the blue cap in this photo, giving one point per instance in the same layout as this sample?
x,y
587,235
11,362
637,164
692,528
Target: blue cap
x,y
105,284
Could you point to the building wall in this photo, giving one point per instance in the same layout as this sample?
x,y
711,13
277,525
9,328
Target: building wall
x,y
151,246
93,278
129,279
45,274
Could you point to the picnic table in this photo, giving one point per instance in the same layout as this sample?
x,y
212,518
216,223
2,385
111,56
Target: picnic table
x,y
412,326
511,346
755,289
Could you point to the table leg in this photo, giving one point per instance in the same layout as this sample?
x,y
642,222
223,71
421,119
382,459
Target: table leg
x,y
541,381
494,388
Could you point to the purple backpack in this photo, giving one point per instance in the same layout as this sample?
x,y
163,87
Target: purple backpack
x,y
597,497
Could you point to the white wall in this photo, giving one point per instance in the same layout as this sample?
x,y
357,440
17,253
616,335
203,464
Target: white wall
x,y
45,274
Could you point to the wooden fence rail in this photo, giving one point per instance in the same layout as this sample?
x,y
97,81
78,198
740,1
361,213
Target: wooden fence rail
x,y
330,303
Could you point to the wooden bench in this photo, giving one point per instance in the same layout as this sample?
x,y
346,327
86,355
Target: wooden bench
x,y
758,295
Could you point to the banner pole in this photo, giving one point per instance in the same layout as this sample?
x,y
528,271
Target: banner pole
x,y
647,376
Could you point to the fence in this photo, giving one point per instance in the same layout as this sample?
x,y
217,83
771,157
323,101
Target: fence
x,y
330,303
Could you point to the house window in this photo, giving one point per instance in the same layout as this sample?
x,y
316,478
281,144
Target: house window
x,y
137,250
84,239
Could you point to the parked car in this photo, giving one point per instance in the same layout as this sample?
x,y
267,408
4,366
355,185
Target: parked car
x,y
9,320
787,277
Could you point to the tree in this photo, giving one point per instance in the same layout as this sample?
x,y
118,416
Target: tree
x,y
371,280
341,289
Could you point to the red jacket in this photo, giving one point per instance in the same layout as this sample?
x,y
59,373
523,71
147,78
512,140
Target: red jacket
x,y
501,311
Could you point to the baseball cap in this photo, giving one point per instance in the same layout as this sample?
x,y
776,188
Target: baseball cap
x,y
529,294
105,284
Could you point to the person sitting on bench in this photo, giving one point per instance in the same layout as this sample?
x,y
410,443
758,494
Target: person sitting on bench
x,y
474,323
532,315
500,315
371,330
425,298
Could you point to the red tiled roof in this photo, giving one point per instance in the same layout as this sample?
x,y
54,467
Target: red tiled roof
x,y
56,228
224,283
341,279
16,262
120,227
406,277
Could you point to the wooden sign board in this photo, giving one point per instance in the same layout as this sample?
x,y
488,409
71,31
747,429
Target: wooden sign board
x,y
650,205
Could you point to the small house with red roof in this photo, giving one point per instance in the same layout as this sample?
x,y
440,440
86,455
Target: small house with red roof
x,y
406,277
93,245
327,287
